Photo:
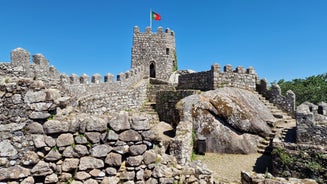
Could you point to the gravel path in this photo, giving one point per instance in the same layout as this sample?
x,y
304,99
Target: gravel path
x,y
227,167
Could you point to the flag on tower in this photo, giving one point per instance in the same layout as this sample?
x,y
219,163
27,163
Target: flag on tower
x,y
155,16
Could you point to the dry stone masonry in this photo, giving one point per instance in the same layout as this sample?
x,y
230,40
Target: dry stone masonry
x,y
58,128
44,141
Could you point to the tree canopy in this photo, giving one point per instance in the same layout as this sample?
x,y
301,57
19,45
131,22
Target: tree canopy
x,y
312,89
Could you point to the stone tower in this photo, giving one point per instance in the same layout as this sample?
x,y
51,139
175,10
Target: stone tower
x,y
156,52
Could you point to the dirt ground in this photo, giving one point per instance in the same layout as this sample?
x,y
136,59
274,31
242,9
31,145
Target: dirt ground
x,y
227,167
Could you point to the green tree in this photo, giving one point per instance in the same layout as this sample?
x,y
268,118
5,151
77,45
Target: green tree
x,y
312,89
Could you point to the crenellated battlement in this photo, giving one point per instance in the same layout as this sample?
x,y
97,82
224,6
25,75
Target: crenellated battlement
x,y
215,78
160,31
21,65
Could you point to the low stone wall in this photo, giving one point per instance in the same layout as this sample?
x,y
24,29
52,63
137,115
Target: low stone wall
x,y
299,160
198,81
255,178
114,101
166,104
311,124
274,95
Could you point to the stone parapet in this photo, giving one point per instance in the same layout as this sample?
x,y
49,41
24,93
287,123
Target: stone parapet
x,y
214,78
274,95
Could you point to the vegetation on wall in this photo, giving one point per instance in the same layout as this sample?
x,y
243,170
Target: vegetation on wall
x,y
312,89
175,67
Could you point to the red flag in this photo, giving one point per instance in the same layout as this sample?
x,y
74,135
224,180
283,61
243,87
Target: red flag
x,y
155,16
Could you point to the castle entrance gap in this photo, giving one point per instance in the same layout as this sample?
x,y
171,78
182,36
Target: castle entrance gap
x,y
153,70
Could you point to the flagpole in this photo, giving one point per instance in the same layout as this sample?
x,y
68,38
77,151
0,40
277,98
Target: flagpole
x,y
150,19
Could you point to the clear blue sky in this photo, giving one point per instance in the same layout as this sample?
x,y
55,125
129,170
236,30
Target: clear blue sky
x,y
279,38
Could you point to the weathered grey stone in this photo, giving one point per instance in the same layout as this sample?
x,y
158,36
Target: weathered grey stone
x,y
111,171
137,149
134,161
113,159
65,177
52,178
82,175
30,158
127,175
15,172
80,139
51,142
76,151
140,174
96,173
162,171
65,140
170,180
149,157
120,122
130,136
90,163
112,136
34,128
53,155
151,181
94,124
40,106
93,137
55,126
62,101
149,135
121,149
52,94
91,181
39,141
33,97
39,115
140,123
70,164
11,127
3,161
17,99
100,150
110,180
7,149
28,180
234,123
41,169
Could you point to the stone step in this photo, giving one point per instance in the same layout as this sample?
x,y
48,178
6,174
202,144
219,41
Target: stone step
x,y
264,142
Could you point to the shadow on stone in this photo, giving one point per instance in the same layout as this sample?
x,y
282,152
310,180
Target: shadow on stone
x,y
263,164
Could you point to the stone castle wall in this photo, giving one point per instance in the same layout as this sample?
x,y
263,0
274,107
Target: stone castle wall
x,y
157,48
127,92
214,78
274,95
44,140
80,86
311,125
21,66
115,101
166,102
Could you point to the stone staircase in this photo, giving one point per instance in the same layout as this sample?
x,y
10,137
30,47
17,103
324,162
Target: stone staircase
x,y
150,109
284,124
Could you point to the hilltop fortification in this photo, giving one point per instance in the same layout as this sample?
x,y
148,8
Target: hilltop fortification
x,y
102,129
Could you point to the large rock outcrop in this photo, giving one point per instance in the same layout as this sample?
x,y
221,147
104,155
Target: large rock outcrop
x,y
231,119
